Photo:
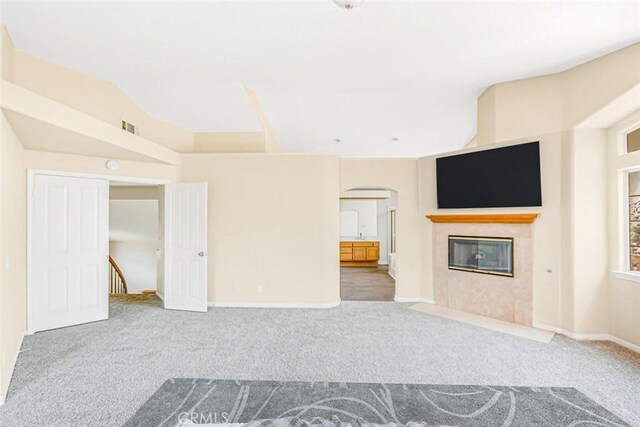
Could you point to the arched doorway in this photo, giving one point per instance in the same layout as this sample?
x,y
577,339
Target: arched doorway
x,y
368,249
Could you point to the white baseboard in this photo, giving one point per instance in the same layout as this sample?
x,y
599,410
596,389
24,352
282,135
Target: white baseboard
x,y
12,367
588,337
159,295
572,335
404,299
271,305
626,344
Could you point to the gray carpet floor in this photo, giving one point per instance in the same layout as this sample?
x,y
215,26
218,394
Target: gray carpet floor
x,y
101,373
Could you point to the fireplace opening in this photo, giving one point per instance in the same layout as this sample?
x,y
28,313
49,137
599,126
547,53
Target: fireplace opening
x,y
488,255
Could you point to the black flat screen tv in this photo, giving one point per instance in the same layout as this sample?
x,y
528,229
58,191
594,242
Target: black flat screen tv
x,y
501,177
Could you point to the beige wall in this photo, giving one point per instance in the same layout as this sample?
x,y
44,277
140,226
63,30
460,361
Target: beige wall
x,y
106,102
272,221
96,98
400,175
12,251
8,54
134,192
13,236
270,143
567,231
557,102
71,131
96,165
231,142
590,233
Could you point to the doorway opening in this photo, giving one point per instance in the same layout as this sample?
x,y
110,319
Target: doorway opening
x,y
368,244
70,273
135,242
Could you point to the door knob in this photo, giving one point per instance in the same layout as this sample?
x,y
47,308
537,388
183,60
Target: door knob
x,y
202,254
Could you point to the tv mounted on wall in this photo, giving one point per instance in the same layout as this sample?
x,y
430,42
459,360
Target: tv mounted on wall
x,y
501,177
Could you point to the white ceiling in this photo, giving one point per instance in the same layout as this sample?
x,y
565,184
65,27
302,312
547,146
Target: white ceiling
x,y
393,69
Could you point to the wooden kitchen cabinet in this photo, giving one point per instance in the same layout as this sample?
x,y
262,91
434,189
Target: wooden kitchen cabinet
x,y
359,253
373,252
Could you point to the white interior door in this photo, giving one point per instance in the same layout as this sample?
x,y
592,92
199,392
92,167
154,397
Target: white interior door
x,y
185,256
69,250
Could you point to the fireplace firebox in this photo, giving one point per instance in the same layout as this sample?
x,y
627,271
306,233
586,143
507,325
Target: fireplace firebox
x,y
487,255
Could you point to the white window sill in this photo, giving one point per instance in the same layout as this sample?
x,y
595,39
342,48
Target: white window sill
x,y
632,276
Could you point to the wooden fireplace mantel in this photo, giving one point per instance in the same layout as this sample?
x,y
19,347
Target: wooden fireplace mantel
x,y
518,218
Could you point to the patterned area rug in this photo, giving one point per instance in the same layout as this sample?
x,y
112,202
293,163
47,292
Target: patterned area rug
x,y
191,401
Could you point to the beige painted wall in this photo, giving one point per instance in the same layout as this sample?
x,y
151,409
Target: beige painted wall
x,y
400,175
96,165
13,236
270,143
8,54
134,192
71,131
590,232
105,101
95,97
229,142
12,251
557,102
272,221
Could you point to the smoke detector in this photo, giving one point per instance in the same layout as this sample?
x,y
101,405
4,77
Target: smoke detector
x,y
348,4
112,165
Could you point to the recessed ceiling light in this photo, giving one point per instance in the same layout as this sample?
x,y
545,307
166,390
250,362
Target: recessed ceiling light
x,y
336,140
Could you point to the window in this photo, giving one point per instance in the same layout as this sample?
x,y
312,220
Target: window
x,y
634,221
633,141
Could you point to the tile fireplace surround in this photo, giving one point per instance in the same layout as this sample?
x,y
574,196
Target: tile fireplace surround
x,y
504,298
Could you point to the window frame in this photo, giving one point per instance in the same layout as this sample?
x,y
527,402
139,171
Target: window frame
x,y
627,221
621,164
393,230
635,128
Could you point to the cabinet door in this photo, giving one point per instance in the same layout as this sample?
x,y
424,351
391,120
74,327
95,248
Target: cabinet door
x,y
359,253
346,256
373,253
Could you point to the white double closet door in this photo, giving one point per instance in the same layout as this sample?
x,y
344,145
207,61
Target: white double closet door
x,y
69,249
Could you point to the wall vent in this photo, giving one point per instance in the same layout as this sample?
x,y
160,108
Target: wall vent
x,y
128,127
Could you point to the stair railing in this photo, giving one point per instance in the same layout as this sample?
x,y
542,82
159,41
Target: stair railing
x,y
117,283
